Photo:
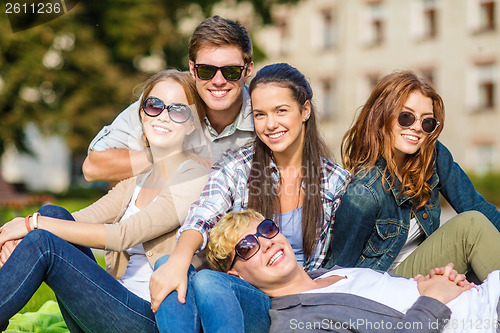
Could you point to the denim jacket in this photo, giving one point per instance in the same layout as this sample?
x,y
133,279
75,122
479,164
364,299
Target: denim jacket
x,y
373,219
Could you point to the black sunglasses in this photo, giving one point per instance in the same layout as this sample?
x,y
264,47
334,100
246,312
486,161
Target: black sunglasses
x,y
249,246
407,118
230,73
178,112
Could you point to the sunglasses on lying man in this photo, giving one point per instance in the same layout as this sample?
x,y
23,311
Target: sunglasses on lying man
x,y
207,72
249,245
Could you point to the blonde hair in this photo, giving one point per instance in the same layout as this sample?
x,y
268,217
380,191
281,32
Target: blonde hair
x,y
226,234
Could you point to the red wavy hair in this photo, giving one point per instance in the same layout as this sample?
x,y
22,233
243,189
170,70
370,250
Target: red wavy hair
x,y
370,137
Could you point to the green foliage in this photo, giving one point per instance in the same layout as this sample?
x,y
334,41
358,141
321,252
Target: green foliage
x,y
75,73
488,185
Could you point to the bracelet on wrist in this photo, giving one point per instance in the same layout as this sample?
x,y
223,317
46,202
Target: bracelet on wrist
x,y
35,220
27,222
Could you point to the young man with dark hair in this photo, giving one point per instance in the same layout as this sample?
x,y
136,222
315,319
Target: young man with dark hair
x,y
220,60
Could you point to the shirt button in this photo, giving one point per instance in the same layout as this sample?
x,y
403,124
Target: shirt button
x,y
425,215
149,253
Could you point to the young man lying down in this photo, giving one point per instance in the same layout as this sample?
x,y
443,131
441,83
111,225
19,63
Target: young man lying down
x,y
246,245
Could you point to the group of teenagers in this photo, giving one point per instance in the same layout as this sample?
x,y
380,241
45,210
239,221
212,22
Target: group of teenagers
x,y
214,172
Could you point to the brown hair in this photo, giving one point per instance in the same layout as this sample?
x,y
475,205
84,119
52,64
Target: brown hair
x,y
262,193
218,31
225,234
370,138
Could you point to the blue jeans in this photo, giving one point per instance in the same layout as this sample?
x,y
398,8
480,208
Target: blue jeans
x,y
229,304
90,299
173,316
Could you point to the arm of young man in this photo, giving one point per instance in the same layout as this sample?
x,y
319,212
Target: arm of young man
x,y
118,151
114,164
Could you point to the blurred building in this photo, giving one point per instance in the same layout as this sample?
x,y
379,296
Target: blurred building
x,y
46,168
345,46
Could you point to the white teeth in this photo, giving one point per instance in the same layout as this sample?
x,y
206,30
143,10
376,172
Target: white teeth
x,y
410,137
161,129
275,258
219,93
276,135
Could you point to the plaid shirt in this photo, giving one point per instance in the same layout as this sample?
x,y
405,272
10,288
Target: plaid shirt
x,y
227,190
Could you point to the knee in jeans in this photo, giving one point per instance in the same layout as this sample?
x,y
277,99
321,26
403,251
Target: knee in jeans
x,y
206,279
56,212
38,236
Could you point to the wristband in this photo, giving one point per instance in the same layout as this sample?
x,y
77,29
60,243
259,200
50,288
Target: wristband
x,y
27,222
35,220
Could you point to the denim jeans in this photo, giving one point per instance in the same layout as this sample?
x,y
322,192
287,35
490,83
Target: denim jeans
x,y
90,299
229,304
173,316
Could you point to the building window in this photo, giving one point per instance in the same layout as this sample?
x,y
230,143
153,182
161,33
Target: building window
x,y
328,100
372,80
283,36
486,74
372,24
377,23
482,15
330,37
430,18
487,15
428,74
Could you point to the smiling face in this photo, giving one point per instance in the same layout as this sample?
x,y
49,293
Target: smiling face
x,y
161,131
218,93
279,119
273,264
408,140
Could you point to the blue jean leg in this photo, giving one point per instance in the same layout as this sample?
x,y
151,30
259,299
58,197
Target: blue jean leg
x,y
173,316
93,298
63,214
229,304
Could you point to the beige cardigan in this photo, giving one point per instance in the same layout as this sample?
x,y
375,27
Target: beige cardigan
x,y
154,226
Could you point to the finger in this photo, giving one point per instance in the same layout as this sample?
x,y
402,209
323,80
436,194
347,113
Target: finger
x,y
460,278
3,257
438,270
447,269
418,277
453,276
181,293
156,301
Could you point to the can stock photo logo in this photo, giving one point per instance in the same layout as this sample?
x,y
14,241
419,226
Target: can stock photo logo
x,y
26,14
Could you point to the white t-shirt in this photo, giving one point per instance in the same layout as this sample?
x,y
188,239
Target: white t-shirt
x,y
474,310
415,237
139,271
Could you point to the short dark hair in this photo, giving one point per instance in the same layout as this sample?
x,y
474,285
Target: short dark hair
x,y
218,31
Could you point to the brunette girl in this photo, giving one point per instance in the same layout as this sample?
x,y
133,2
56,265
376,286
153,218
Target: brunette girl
x,y
287,176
